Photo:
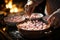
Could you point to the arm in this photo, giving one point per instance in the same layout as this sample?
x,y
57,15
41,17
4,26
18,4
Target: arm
x,y
54,19
30,6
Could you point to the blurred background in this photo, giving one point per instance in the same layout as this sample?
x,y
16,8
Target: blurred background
x,y
10,7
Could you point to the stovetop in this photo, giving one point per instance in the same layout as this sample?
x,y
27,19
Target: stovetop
x,y
15,35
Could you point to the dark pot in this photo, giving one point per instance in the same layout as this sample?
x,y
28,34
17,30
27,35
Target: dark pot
x,y
34,34
10,25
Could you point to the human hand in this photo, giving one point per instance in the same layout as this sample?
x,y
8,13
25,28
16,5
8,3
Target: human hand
x,y
29,7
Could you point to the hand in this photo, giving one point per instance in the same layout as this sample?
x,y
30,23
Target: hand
x,y
29,7
54,19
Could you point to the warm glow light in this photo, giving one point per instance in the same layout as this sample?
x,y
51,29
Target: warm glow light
x,y
12,7
8,3
15,9
4,29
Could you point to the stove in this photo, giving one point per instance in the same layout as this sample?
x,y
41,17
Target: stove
x,y
15,35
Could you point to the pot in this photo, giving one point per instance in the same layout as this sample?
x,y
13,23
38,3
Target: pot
x,y
12,20
34,34
10,23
